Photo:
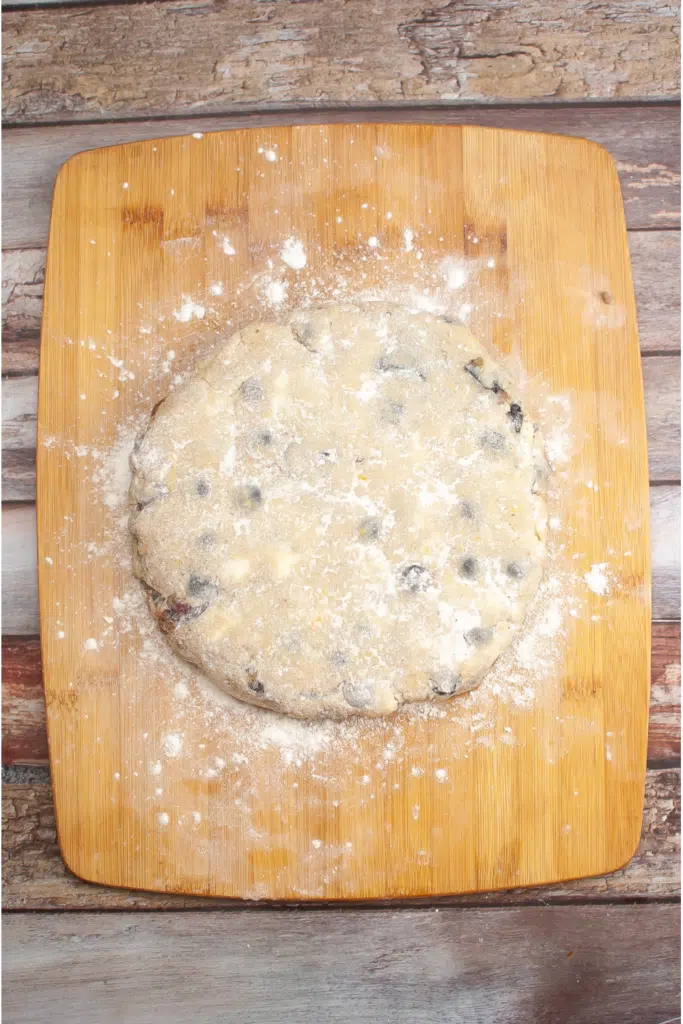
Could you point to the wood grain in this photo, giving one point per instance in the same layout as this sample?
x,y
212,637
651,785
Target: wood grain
x,y
655,260
19,570
20,598
35,877
559,196
644,140
663,414
541,964
656,266
664,732
95,62
665,513
24,739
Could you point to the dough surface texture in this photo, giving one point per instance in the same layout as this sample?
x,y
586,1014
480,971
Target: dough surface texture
x,y
341,514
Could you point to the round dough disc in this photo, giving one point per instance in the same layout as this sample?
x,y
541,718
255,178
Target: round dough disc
x,y
341,514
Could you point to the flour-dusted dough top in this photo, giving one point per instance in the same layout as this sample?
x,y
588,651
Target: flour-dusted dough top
x,y
341,514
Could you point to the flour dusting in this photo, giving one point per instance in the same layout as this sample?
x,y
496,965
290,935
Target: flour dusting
x,y
194,726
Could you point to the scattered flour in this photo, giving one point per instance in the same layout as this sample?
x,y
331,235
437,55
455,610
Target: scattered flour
x,y
208,733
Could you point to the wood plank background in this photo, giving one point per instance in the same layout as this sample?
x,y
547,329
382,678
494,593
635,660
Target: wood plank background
x,y
77,76
528,963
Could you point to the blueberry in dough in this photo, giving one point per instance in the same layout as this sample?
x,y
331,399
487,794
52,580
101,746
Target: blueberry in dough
x,y
493,440
369,529
248,497
469,568
514,570
200,586
478,637
516,416
445,683
466,510
251,390
415,578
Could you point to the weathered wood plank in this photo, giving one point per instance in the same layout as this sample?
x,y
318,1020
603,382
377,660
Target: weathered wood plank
x,y
24,735
19,570
24,739
199,57
35,878
664,735
665,511
644,140
656,265
663,414
23,279
20,604
543,964
655,257
661,375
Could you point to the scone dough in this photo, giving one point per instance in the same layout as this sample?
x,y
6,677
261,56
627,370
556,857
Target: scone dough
x,y
341,514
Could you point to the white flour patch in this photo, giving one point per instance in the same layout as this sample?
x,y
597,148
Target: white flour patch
x,y
276,292
293,254
189,310
172,744
597,579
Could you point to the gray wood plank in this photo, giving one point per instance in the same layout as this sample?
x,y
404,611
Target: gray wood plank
x,y
656,266
655,258
197,56
19,572
545,965
644,141
661,381
665,511
661,375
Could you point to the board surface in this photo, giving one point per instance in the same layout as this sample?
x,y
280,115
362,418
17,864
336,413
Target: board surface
x,y
159,248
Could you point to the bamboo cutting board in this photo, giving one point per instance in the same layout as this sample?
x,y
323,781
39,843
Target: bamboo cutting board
x,y
157,250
